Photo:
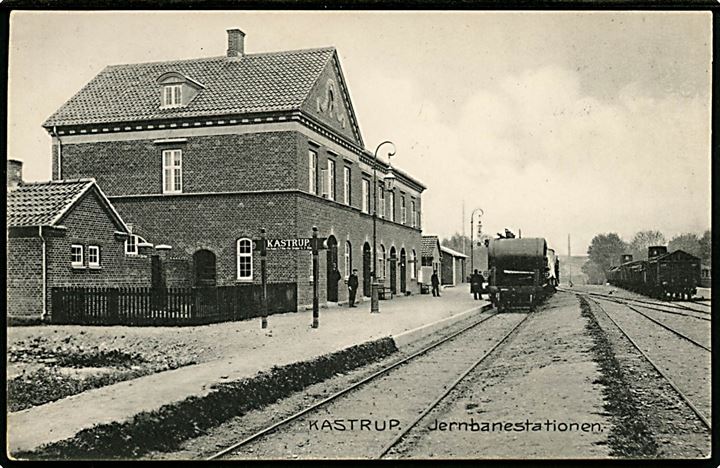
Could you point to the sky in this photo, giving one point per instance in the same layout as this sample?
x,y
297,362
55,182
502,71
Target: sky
x,y
552,123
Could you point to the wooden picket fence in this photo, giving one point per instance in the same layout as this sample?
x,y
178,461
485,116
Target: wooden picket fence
x,y
168,306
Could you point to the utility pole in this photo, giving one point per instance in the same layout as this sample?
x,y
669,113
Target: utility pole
x,y
263,277
569,263
316,300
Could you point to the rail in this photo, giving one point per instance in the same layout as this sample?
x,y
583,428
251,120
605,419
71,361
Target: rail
x,y
263,432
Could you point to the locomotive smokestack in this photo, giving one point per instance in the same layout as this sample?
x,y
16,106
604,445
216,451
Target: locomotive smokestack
x,y
626,258
656,251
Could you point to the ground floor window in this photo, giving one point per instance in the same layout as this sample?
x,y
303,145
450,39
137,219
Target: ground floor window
x,y
94,256
348,259
76,255
244,260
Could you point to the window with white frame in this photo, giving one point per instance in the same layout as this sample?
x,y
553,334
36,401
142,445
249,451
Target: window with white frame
x,y
331,179
172,171
391,216
94,256
414,265
381,203
76,255
244,259
312,175
131,243
172,95
365,196
403,210
346,185
413,219
348,259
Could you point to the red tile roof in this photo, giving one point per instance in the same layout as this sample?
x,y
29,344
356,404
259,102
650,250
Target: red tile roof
x,y
428,246
46,203
254,83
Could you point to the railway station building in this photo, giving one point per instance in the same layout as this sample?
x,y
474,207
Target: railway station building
x,y
199,155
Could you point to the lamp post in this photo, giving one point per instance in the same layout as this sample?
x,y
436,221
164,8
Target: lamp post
x,y
472,244
389,178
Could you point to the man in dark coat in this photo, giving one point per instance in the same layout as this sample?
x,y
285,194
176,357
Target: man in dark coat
x,y
476,285
435,284
352,288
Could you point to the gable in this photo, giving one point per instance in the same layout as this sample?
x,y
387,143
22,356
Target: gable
x,y
93,210
329,102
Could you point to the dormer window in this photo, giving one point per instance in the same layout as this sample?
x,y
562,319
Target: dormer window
x,y
177,90
172,95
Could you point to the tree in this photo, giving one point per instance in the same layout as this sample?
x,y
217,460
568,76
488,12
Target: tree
x,y
456,243
644,239
605,250
594,272
688,242
706,248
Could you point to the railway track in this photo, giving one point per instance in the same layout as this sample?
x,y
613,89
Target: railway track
x,y
664,374
641,303
385,371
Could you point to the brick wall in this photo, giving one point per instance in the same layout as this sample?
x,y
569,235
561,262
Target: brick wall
x,y
88,224
215,223
217,163
24,277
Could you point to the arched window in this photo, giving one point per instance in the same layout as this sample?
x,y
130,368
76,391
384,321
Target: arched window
x,y
414,265
348,259
244,259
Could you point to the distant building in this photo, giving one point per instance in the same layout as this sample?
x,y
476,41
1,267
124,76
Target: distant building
x,y
431,258
453,267
201,154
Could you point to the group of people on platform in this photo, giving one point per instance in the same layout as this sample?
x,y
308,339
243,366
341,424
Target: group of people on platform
x,y
477,285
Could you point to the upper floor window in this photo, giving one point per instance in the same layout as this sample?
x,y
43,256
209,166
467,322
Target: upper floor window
x,y
413,219
172,171
346,185
331,179
391,217
312,175
94,256
172,95
76,255
381,203
403,210
365,196
244,259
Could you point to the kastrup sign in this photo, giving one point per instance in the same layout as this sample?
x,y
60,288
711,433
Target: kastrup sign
x,y
289,244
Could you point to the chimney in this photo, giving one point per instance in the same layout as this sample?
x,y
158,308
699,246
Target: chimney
x,y
656,251
236,43
14,174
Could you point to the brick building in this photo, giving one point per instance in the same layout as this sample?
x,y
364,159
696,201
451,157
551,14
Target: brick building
x,y
63,233
201,154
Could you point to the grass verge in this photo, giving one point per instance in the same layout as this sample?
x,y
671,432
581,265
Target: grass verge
x,y
630,436
165,428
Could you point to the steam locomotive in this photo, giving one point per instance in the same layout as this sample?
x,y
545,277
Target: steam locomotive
x,y
663,275
522,272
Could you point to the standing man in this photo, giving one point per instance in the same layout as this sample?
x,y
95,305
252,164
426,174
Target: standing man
x,y
352,287
334,278
475,285
435,284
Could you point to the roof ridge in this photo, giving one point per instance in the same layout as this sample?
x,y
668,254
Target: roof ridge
x,y
222,57
62,181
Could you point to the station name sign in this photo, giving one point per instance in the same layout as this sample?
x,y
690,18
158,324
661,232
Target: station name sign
x,y
290,244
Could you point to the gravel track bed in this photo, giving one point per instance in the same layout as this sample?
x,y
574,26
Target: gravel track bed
x,y
629,295
399,395
246,424
675,430
544,372
686,364
698,330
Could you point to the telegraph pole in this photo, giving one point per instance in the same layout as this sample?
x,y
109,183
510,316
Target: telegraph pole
x,y
569,263
316,301
263,277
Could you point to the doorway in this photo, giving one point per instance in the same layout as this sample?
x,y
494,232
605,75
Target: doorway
x,y
367,267
332,273
393,270
403,269
204,262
